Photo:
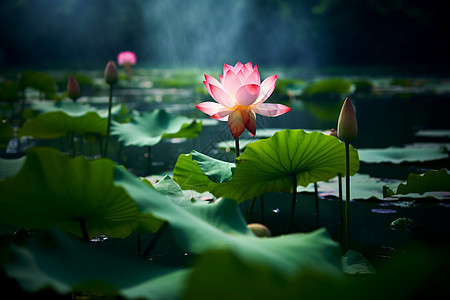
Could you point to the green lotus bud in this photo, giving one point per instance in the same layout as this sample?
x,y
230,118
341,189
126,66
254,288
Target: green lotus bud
x,y
347,128
259,230
111,75
73,89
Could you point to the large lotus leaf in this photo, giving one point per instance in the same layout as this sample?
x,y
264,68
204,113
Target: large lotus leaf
x,y
55,124
430,181
254,282
55,190
68,265
397,155
149,128
269,165
205,227
362,187
40,81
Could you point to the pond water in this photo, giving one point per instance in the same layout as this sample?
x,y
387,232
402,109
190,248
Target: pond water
x,y
386,118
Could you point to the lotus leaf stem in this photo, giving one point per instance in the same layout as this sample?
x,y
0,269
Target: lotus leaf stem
x,y
341,212
83,228
316,192
149,160
237,149
294,199
154,240
105,148
347,196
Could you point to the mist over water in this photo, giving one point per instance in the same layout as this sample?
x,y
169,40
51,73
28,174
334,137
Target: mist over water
x,y
85,33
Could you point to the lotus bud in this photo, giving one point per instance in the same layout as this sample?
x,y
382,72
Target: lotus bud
x,y
259,230
73,89
111,75
333,132
347,128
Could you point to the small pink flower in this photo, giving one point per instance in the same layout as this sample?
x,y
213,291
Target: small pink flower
x,y
73,89
126,58
240,95
347,128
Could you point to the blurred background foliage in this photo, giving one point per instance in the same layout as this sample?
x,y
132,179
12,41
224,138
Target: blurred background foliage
x,y
310,33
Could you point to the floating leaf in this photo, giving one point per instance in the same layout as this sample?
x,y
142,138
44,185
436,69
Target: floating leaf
x,y
362,187
55,124
220,226
430,181
397,155
54,190
10,167
68,265
149,128
355,263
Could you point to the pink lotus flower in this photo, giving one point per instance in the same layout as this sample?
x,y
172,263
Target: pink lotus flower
x,y
240,95
126,58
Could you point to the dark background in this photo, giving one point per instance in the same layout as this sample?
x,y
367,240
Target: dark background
x,y
306,33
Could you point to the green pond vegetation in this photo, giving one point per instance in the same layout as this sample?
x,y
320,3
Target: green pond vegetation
x,y
78,224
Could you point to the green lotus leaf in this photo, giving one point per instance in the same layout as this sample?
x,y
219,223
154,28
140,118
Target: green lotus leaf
x,y
55,124
337,86
6,134
430,181
169,187
220,226
40,81
69,265
149,128
269,165
10,167
54,190
255,282
362,187
397,155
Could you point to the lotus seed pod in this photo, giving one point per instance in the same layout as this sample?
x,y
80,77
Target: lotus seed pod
x,y
111,75
73,89
259,230
347,128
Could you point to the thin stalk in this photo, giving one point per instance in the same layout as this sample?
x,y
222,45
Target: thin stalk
x,y
237,149
108,126
316,192
261,205
294,199
155,239
83,228
341,211
347,196
250,209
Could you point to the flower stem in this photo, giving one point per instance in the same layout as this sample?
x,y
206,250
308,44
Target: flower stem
x,y
149,160
341,212
347,196
316,192
105,148
83,229
72,143
294,199
237,149
155,239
